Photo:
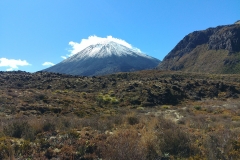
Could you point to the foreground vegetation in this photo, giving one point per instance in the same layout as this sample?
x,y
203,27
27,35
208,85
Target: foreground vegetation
x,y
142,115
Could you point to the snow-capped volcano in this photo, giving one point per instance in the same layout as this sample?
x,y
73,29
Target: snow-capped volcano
x,y
104,58
107,49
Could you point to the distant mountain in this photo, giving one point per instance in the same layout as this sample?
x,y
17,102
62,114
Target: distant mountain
x,y
104,58
214,50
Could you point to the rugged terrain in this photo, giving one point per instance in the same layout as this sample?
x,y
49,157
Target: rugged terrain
x,y
214,50
140,115
104,58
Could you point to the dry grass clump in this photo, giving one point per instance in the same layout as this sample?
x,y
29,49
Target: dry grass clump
x,y
124,144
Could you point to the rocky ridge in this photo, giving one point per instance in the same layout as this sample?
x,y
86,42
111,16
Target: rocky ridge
x,y
214,50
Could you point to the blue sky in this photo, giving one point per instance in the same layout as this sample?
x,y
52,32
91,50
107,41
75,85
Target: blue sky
x,y
33,33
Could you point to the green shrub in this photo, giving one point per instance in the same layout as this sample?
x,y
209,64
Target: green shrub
x,y
80,113
132,120
198,107
48,126
173,141
73,134
19,130
106,99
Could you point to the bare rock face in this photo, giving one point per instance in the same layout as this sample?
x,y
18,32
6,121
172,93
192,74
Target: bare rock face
x,y
210,48
227,38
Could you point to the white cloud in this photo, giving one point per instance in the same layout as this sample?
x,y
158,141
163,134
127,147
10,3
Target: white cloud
x,y
48,64
77,47
64,57
12,63
9,69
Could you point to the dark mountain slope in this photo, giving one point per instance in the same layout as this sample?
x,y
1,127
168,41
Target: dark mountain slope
x,y
214,50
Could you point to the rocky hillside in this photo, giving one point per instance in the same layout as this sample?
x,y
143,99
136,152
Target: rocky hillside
x,y
43,92
214,50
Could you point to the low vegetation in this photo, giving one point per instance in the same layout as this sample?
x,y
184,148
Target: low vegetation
x,y
141,115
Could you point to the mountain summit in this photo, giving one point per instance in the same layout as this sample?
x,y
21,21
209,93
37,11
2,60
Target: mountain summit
x,y
104,58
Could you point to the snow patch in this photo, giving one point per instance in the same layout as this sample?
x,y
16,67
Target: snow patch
x,y
94,40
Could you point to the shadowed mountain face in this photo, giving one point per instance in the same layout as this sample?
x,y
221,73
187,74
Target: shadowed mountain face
x,y
102,59
214,50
